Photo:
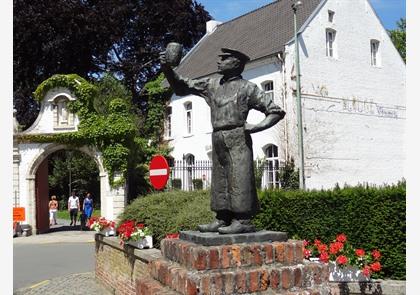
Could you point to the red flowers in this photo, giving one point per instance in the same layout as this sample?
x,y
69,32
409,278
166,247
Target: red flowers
x,y
341,238
172,236
341,260
340,251
376,254
130,230
376,266
324,257
100,223
360,252
366,271
336,247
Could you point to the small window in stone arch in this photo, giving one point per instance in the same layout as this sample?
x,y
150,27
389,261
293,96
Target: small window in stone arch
x,y
62,115
268,87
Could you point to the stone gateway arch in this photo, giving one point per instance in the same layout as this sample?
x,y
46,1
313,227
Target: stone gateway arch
x,y
30,162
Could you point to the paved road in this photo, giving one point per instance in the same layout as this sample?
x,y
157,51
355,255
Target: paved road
x,y
60,262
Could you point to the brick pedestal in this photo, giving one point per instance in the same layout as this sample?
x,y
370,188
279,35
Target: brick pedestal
x,y
246,268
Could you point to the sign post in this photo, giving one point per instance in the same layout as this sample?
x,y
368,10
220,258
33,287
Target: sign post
x,y
158,172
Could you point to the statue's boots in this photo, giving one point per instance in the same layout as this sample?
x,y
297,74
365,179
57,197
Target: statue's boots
x,y
212,227
238,227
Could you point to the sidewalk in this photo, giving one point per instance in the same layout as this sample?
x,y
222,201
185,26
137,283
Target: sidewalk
x,y
73,284
60,233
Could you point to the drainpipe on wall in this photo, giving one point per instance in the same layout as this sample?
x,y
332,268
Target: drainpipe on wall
x,y
298,100
281,57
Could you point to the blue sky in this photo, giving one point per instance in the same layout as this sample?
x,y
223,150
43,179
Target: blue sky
x,y
389,11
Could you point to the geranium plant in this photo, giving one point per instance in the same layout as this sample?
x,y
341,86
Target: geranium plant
x,y
129,230
343,254
100,223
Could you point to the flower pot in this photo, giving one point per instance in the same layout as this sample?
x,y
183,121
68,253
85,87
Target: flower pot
x,y
145,243
107,232
346,274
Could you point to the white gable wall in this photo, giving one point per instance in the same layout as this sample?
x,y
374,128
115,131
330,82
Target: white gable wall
x,y
45,120
199,142
353,112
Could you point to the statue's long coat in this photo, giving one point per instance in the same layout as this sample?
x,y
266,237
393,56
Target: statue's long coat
x,y
233,182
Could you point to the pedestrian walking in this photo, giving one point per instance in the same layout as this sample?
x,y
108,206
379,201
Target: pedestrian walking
x,y
53,208
88,206
73,207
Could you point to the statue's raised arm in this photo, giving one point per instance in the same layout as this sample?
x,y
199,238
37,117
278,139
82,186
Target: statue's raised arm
x,y
169,59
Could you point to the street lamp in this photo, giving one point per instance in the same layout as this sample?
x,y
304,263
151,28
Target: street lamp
x,y
295,6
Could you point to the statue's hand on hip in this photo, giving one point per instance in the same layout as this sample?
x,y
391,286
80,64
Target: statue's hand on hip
x,y
250,128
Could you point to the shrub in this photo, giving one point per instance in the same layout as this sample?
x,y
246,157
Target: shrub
x,y
170,212
198,184
371,217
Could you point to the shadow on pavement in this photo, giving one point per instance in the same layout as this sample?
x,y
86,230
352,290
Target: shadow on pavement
x,y
61,228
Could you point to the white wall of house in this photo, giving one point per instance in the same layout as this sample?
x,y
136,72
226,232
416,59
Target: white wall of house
x,y
353,112
198,143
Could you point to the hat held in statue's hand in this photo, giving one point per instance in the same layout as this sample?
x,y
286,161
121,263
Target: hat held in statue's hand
x,y
235,53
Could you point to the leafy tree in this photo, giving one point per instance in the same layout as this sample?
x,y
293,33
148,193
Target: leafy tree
x,y
398,37
91,37
84,174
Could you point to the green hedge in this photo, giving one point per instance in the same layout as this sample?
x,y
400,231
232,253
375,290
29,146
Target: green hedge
x,y
170,212
371,217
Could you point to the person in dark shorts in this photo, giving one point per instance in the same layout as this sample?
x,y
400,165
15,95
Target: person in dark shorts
x,y
73,206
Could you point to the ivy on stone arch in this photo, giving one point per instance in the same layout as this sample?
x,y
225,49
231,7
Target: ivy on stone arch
x,y
114,133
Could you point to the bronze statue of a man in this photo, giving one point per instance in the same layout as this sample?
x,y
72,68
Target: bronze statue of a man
x,y
230,97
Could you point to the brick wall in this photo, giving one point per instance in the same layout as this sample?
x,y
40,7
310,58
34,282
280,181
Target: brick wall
x,y
118,267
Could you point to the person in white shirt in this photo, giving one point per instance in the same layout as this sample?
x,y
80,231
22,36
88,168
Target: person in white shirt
x,y
73,206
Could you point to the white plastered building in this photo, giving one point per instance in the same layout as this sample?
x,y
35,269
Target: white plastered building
x,y
352,85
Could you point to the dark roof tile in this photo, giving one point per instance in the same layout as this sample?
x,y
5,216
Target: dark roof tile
x,y
259,33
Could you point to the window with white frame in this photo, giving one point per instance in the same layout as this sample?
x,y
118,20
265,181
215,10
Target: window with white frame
x,y
268,87
272,168
374,53
188,117
168,122
190,164
331,49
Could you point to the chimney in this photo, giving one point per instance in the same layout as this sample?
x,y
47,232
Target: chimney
x,y
211,25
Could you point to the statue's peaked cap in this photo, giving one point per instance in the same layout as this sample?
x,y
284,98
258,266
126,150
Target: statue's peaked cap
x,y
232,52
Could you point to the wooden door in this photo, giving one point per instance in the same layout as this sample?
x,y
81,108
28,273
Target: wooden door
x,y
42,198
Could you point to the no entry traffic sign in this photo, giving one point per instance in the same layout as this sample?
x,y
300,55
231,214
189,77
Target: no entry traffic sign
x,y
158,172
